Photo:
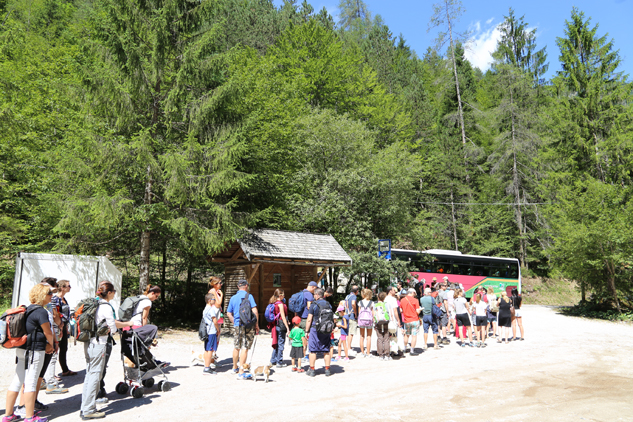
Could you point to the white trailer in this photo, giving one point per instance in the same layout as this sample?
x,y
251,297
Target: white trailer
x,y
83,272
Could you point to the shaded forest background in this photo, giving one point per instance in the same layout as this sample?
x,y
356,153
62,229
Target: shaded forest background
x,y
155,131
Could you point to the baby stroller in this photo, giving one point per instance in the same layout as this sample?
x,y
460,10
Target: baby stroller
x,y
140,368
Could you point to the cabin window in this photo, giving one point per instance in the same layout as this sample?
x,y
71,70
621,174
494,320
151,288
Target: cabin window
x,y
276,280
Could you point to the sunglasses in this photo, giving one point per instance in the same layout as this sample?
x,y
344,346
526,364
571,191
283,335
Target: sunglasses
x,y
50,293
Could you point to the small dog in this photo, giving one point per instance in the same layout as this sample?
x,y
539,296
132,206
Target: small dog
x,y
262,371
196,358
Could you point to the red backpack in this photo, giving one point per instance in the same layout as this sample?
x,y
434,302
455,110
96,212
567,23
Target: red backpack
x,y
14,322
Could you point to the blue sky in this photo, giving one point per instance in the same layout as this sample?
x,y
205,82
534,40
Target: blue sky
x,y
410,18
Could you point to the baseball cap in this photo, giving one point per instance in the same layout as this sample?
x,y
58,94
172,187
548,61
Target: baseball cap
x,y
296,320
242,283
404,292
340,309
313,284
445,278
434,279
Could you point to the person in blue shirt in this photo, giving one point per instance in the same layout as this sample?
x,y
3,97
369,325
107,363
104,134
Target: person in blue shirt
x,y
243,336
308,298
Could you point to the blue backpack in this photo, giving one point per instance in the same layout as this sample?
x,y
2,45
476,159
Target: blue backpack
x,y
269,314
297,303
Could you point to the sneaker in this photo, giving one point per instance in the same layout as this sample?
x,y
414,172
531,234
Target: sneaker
x,y
412,354
208,371
436,347
40,406
310,373
471,344
93,415
102,400
463,344
327,373
12,418
294,369
212,366
389,358
446,341
244,376
334,360
281,365
53,389
235,371
345,359
38,419
306,358
300,370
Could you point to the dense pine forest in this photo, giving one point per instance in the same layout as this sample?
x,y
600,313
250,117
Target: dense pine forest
x,y
155,131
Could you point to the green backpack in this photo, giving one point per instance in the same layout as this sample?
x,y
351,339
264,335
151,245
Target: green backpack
x,y
382,314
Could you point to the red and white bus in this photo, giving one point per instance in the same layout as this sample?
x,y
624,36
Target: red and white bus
x,y
471,271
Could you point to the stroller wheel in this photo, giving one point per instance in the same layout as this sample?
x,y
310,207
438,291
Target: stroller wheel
x,y
122,388
148,383
137,392
165,386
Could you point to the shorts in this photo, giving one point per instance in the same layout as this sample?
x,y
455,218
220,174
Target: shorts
x,y
443,320
517,313
411,328
463,320
343,337
296,352
451,314
353,324
243,337
481,321
212,343
492,319
428,320
34,362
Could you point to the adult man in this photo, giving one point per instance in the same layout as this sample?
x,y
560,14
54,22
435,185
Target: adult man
x,y
308,298
442,299
392,308
243,335
411,315
450,297
351,310
318,342
427,302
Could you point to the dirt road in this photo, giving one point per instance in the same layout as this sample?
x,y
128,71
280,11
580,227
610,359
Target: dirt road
x,y
567,369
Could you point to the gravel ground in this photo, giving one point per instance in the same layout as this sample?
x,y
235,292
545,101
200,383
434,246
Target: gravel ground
x,y
567,369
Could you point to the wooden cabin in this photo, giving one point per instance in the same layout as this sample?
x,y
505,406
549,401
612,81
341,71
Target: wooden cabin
x,y
271,259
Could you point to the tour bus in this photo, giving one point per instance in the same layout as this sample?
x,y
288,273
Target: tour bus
x,y
471,271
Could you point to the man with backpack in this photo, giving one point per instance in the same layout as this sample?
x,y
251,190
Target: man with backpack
x,y
319,325
300,304
351,310
242,312
427,303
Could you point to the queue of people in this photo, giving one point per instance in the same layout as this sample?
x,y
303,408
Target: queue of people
x,y
396,316
47,321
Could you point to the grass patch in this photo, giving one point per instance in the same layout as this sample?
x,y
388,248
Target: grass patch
x,y
549,291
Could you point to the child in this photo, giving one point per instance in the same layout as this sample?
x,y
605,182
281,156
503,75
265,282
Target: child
x,y
210,315
343,325
296,353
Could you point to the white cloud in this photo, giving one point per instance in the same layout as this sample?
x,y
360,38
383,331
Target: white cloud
x,y
489,21
481,46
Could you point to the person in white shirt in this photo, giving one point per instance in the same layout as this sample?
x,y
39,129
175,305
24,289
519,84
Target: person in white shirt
x,y
95,351
140,319
392,307
481,319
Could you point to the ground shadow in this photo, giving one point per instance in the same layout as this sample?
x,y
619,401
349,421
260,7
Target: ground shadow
x,y
72,380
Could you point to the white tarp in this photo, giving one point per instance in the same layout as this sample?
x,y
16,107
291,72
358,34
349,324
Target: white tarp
x,y
83,272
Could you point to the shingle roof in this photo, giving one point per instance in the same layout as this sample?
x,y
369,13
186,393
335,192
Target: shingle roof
x,y
292,245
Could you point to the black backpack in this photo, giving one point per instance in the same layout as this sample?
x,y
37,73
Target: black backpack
x,y
325,319
247,317
203,335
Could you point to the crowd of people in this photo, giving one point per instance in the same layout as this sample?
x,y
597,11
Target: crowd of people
x,y
396,316
313,326
49,323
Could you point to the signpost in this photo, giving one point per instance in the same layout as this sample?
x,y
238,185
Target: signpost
x,y
384,249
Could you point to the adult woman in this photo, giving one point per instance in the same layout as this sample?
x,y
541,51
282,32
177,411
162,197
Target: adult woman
x,y
517,319
147,332
505,319
481,319
63,287
366,321
31,359
215,286
492,311
279,328
95,350
462,312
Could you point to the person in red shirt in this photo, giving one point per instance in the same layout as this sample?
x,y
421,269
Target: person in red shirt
x,y
411,316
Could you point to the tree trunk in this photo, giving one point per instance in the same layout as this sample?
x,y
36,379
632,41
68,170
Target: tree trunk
x,y
163,273
145,240
516,184
454,221
459,95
